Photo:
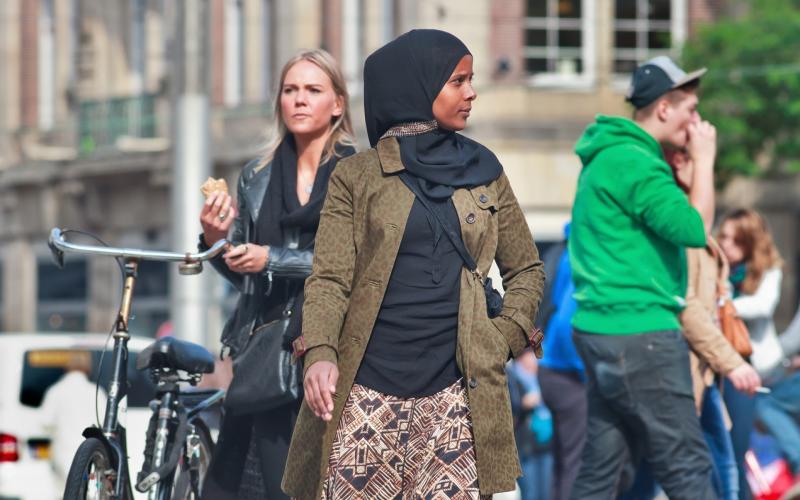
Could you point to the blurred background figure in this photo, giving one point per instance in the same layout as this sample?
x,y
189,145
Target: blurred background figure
x,y
561,373
755,279
779,411
68,408
533,427
711,353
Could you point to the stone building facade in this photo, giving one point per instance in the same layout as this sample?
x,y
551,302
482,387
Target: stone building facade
x,y
87,94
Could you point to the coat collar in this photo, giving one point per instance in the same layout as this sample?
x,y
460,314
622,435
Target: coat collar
x,y
389,155
255,188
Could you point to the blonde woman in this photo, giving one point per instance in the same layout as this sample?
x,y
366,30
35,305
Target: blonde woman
x,y
274,221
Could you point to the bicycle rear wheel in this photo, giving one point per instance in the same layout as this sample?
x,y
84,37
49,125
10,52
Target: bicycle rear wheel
x,y
195,460
91,475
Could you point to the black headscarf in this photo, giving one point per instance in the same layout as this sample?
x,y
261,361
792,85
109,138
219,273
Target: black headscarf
x,y
401,81
281,211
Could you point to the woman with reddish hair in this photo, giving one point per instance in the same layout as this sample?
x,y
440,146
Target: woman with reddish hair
x,y
755,278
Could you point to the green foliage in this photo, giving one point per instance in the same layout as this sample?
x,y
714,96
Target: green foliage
x,y
751,92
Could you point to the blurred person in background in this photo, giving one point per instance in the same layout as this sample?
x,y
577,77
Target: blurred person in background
x,y
631,225
69,406
779,411
533,427
711,352
562,377
279,199
755,278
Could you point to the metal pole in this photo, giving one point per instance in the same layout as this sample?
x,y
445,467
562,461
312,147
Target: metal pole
x,y
190,295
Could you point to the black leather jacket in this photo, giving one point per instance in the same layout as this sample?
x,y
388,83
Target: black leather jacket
x,y
284,263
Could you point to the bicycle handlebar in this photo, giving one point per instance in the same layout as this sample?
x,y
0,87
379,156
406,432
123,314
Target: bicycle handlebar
x,y
58,245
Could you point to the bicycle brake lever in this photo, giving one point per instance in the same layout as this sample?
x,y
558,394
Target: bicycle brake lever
x,y
55,252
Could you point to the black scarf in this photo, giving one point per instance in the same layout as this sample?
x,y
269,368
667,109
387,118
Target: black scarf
x,y
401,81
281,212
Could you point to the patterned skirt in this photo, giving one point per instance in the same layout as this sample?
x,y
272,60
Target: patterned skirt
x,y
388,448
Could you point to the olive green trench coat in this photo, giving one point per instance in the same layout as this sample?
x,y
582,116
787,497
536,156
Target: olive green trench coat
x,y
361,226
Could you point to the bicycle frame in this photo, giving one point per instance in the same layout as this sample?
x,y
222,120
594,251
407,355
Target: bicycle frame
x,y
118,388
113,434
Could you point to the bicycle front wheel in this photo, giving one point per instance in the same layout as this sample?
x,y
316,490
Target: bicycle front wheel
x,y
195,460
91,475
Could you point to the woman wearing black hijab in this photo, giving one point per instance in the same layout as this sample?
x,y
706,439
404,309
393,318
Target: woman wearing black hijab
x,y
405,392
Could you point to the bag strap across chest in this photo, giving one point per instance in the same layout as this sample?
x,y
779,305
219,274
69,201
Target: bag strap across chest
x,y
452,234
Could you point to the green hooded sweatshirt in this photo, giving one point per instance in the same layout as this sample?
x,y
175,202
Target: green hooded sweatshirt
x,y
630,226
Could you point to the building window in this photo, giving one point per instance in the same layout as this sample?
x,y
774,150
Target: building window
x,y
644,29
559,41
137,47
150,311
234,53
267,50
352,44
389,17
47,65
62,296
151,304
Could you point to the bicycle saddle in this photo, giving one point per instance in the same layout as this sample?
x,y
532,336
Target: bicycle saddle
x,y
169,352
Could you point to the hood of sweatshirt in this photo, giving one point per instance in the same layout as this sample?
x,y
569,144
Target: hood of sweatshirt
x,y
609,131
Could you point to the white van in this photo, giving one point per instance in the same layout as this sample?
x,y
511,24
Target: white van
x,y
29,365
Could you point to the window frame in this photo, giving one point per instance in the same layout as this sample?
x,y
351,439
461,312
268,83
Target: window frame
x,y
678,29
47,53
267,49
352,26
138,49
68,306
234,43
587,25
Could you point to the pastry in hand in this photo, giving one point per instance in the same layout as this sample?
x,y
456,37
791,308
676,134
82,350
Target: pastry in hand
x,y
211,185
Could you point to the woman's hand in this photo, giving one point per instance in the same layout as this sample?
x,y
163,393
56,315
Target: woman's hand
x,y
745,378
216,217
320,385
247,258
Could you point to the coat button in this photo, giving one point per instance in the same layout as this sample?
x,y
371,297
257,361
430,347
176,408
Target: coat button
x,y
483,198
470,219
473,383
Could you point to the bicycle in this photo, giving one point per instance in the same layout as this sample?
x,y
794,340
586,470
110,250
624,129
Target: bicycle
x,y
179,444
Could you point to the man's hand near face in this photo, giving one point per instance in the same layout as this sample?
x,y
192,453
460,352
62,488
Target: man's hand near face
x,y
702,149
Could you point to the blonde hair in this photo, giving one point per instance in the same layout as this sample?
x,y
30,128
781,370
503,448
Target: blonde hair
x,y
752,234
341,126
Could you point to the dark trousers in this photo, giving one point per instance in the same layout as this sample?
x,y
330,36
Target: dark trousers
x,y
641,406
742,410
235,473
564,394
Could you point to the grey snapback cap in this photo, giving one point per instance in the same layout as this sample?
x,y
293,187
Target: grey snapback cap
x,y
655,78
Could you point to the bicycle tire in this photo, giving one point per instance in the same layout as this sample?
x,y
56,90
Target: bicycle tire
x,y
83,481
182,489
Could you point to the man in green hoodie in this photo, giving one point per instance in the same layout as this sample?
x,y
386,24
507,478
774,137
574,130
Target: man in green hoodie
x,y
631,224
